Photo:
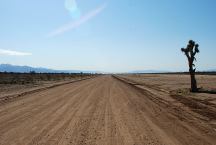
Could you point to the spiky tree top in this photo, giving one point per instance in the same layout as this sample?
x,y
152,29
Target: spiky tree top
x,y
190,51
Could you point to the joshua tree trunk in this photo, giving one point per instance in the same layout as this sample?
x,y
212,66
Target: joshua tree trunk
x,y
193,79
190,51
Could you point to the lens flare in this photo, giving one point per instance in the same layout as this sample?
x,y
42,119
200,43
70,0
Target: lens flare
x,y
71,6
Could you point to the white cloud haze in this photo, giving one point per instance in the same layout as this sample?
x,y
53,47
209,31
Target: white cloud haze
x,y
78,22
13,53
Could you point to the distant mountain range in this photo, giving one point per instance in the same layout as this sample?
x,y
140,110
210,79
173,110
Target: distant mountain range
x,y
149,71
211,70
165,71
27,69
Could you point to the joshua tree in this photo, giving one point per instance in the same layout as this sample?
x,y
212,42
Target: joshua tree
x,y
190,51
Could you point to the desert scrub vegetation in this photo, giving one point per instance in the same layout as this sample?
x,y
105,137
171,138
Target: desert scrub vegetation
x,y
32,77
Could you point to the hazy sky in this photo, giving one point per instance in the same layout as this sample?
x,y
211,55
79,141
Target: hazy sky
x,y
107,35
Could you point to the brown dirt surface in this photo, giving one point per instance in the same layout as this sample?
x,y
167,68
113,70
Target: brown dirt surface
x,y
102,111
17,83
12,89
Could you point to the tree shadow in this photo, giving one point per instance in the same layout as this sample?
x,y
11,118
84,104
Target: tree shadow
x,y
202,90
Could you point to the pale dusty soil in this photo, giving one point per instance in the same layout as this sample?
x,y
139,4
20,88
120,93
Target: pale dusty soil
x,y
10,89
172,81
177,83
15,89
101,111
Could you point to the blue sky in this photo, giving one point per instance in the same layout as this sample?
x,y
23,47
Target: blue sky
x,y
107,35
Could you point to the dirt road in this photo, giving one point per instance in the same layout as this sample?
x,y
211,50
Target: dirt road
x,y
102,111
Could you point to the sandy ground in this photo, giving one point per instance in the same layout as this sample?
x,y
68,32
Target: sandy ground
x,y
102,111
11,89
16,89
177,83
173,81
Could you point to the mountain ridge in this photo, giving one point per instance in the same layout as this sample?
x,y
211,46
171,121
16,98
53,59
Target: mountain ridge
x,y
27,69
